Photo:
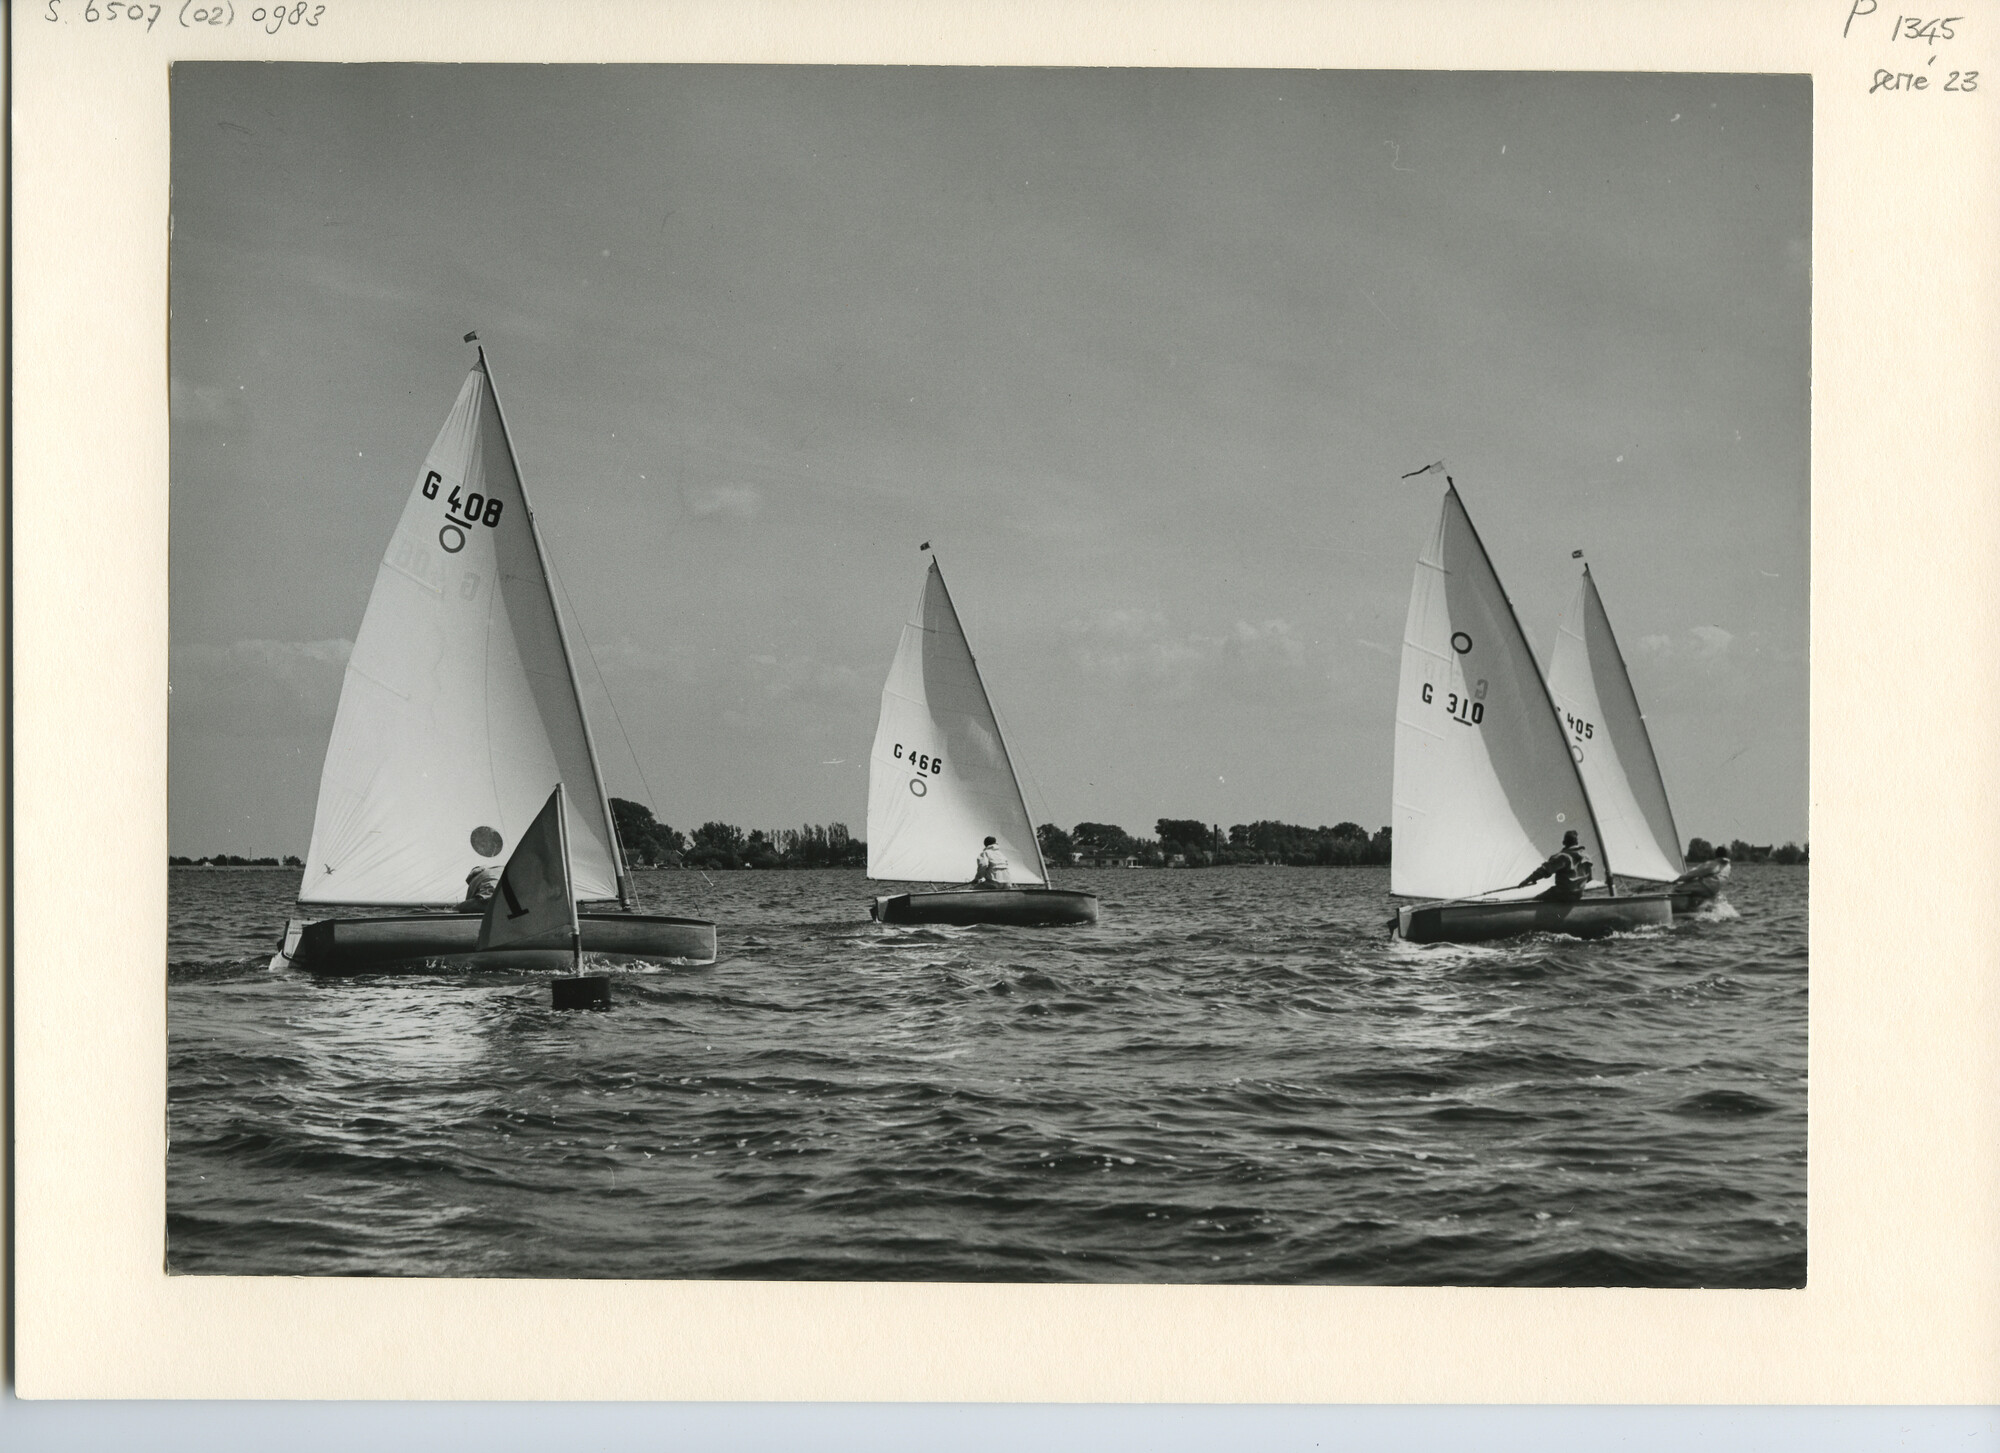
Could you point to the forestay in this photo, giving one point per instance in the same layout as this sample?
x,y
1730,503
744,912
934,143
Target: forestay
x,y
459,714
1608,738
939,779
1484,783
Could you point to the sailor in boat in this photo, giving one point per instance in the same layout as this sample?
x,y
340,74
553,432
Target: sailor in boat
x,y
991,869
480,885
1570,868
1704,881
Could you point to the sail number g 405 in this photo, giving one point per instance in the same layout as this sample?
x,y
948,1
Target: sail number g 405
x,y
922,761
1579,728
474,509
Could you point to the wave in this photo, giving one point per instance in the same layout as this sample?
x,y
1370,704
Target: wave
x,y
1297,1099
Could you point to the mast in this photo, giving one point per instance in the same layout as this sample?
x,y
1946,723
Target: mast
x,y
1541,684
569,884
1034,837
569,662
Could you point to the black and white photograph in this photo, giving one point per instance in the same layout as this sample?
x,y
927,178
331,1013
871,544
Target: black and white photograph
x,y
989,674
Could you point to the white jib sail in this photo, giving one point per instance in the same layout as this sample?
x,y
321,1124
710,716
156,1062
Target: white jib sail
x,y
1485,786
1608,739
458,715
534,905
940,781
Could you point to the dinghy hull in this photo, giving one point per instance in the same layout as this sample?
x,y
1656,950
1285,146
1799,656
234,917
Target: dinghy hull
x,y
1476,922
1021,907
429,943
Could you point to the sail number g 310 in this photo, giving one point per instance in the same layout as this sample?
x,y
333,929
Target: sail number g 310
x,y
922,761
1465,710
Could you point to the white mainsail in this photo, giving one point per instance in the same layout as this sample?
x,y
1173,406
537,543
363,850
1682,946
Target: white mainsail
x,y
1608,739
939,780
459,711
1484,783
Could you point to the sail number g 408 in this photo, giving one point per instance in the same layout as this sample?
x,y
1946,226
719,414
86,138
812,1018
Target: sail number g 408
x,y
474,509
922,761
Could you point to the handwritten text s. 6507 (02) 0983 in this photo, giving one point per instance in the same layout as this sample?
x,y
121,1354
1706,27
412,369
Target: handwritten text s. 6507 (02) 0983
x,y
124,15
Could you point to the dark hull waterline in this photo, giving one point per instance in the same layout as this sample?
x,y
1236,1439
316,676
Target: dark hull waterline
x,y
1477,921
961,907
417,943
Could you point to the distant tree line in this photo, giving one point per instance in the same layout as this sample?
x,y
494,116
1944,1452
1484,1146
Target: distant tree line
x,y
721,845
652,844
1176,843
1700,850
1190,843
230,860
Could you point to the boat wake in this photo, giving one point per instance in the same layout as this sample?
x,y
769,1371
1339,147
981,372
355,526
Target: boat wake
x,y
921,933
1444,951
1641,931
1720,910
634,966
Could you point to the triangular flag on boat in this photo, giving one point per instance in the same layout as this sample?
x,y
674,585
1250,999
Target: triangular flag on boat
x,y
533,906
471,337
925,546
1437,468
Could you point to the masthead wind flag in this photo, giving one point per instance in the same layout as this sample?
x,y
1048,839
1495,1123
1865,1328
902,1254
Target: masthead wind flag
x,y
533,907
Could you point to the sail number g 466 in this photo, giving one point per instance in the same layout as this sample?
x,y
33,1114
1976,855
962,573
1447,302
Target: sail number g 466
x,y
1465,710
922,761
474,509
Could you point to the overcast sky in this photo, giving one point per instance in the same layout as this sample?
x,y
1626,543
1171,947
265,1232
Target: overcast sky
x,y
1142,353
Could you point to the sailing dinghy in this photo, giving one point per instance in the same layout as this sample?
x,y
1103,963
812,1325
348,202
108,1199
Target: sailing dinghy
x,y
940,782
1485,783
1614,751
458,717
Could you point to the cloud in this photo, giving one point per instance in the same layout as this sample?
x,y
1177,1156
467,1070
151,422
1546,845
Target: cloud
x,y
1122,624
729,504
257,686
194,403
796,699
801,679
1711,641
625,657
1706,667
1138,650
1704,648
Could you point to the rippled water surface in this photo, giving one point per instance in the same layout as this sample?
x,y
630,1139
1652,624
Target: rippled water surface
x,y
1237,1076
